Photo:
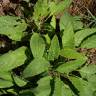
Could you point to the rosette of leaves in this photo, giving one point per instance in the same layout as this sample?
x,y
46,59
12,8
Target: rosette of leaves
x,y
56,68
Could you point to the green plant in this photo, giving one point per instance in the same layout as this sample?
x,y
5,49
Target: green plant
x,y
50,66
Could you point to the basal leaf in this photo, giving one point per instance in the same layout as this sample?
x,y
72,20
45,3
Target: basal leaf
x,y
20,82
88,71
71,54
77,23
54,49
12,27
43,88
13,59
37,45
53,22
61,89
36,67
82,34
5,83
74,20
5,75
92,81
57,7
83,87
90,42
40,11
68,33
70,66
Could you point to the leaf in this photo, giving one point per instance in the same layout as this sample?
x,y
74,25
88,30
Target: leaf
x,y
82,34
70,66
92,81
43,88
20,82
72,54
54,49
47,38
77,23
82,86
37,45
90,42
13,27
68,33
53,22
40,11
57,7
5,83
36,67
29,93
13,60
5,75
88,71
61,89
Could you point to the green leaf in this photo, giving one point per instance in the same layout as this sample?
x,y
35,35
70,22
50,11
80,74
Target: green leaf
x,y
61,89
13,59
68,33
82,34
77,23
57,7
87,71
53,22
37,45
28,93
13,27
90,42
5,83
92,82
20,82
40,11
72,54
47,38
68,37
5,75
70,66
43,88
83,86
54,49
36,67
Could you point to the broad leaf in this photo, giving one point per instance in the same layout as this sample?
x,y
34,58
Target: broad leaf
x,y
87,71
61,89
54,49
13,59
83,87
71,54
5,83
43,88
36,67
37,45
90,42
13,27
40,11
20,82
77,23
5,75
92,82
53,22
57,7
82,34
71,66
68,33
